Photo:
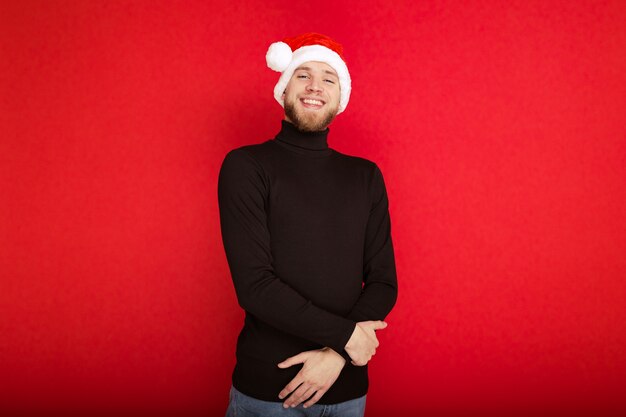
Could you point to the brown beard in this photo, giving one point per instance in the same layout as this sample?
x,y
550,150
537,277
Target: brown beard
x,y
308,124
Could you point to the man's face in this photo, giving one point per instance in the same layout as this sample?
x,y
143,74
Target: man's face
x,y
311,97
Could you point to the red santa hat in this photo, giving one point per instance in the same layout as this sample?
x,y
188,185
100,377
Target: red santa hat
x,y
289,54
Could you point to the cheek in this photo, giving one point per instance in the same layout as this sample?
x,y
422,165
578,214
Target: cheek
x,y
291,90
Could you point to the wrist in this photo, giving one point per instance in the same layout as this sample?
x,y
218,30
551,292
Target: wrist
x,y
335,355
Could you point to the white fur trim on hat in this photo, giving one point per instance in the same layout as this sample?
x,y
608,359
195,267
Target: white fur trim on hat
x,y
277,55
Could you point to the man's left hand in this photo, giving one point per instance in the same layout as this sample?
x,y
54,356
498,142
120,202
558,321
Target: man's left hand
x,y
320,371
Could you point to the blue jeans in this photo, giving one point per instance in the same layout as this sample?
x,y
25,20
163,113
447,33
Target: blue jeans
x,y
240,405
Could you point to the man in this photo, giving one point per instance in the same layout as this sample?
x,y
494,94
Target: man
x,y
307,236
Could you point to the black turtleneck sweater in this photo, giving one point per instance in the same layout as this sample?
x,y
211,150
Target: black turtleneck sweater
x,y
307,237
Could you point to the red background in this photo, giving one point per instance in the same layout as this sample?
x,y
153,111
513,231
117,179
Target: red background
x,y
500,128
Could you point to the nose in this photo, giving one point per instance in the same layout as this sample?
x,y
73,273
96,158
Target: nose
x,y
314,85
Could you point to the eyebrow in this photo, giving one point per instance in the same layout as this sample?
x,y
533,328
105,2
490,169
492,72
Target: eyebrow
x,y
333,73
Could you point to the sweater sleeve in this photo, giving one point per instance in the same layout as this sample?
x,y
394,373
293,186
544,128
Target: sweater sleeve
x,y
380,287
242,196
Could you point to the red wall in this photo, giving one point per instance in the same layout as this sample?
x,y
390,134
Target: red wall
x,y
500,128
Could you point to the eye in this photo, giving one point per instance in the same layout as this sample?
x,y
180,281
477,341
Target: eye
x,y
330,81
303,76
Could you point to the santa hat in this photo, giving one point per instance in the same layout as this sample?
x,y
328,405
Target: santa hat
x,y
289,54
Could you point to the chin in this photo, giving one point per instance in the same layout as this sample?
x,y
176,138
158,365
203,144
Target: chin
x,y
307,121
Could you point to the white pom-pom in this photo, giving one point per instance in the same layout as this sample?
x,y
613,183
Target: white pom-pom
x,y
278,56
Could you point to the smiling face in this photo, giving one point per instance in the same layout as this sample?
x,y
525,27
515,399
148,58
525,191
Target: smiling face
x,y
312,96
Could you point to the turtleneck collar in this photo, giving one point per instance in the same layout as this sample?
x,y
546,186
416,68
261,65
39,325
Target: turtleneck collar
x,y
309,143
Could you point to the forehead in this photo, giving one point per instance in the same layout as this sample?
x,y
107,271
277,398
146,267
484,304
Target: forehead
x,y
317,66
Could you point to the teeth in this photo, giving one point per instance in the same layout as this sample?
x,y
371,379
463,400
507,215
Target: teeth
x,y
311,101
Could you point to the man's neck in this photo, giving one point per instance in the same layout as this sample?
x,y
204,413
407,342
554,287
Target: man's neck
x,y
313,141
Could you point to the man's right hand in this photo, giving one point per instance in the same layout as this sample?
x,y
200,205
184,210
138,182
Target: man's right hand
x,y
363,342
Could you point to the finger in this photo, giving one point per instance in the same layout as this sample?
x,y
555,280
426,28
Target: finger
x,y
376,325
314,398
291,386
302,393
294,360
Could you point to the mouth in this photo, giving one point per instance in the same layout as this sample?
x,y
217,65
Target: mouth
x,y
312,103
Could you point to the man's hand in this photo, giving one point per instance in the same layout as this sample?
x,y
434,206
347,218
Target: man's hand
x,y
320,371
363,342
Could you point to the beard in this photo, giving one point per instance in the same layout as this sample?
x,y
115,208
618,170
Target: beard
x,y
309,121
